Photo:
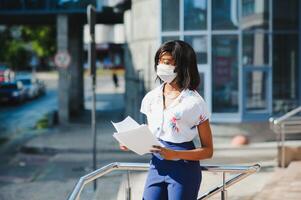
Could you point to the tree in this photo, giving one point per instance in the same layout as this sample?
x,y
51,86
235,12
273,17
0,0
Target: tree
x,y
17,51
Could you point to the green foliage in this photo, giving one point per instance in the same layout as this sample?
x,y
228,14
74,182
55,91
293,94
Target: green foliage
x,y
17,52
41,38
42,123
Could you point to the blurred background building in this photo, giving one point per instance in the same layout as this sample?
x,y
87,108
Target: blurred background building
x,y
66,33
247,51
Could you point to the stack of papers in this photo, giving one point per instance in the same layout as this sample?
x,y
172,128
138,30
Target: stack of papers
x,y
136,137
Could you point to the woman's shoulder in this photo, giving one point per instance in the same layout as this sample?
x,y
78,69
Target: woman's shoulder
x,y
192,96
154,92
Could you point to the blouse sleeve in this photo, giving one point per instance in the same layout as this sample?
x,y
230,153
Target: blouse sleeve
x,y
202,112
145,105
196,112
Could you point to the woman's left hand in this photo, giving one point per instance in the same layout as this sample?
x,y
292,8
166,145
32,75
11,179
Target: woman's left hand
x,y
167,154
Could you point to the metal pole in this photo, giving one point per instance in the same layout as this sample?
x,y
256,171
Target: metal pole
x,y
93,115
282,146
91,12
224,191
128,189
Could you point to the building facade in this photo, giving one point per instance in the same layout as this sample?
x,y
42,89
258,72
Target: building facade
x,y
247,51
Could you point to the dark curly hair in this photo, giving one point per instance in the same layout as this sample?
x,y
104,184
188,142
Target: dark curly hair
x,y
185,61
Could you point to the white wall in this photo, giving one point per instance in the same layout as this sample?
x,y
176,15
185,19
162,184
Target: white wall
x,y
142,39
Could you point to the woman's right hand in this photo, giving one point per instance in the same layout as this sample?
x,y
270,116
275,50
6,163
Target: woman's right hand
x,y
123,148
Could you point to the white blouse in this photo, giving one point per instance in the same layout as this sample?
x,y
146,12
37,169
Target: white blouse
x,y
178,122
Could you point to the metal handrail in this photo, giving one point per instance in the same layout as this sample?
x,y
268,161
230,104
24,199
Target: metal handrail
x,y
286,124
286,116
241,171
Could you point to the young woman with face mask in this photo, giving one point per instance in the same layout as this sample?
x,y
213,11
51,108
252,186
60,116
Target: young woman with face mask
x,y
176,114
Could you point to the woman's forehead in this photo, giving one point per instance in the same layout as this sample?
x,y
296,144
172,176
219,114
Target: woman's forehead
x,y
166,55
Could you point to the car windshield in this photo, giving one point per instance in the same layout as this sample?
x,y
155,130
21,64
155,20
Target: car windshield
x,y
8,86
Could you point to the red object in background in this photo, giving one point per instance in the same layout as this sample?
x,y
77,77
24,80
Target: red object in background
x,y
5,73
239,140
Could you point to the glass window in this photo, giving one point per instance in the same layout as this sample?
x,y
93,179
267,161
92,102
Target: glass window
x,y
256,91
195,14
170,15
255,49
224,14
286,15
225,73
168,38
199,44
69,4
56,5
255,14
285,72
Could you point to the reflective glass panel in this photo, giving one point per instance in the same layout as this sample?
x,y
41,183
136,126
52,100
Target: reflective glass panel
x,y
286,14
170,15
195,14
47,5
256,91
286,72
168,38
225,73
74,4
199,44
255,14
224,14
255,49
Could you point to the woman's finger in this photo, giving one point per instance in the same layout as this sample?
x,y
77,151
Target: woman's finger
x,y
157,147
155,151
124,148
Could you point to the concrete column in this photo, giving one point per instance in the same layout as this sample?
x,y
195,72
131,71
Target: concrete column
x,y
76,67
64,76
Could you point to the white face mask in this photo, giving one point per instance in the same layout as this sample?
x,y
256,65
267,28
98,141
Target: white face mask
x,y
166,72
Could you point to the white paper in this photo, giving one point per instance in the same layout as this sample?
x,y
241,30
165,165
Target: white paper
x,y
126,125
138,139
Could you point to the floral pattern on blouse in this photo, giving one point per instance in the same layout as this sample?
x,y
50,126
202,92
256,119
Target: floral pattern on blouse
x,y
202,118
173,122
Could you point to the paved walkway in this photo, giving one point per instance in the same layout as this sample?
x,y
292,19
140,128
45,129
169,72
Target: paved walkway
x,y
284,184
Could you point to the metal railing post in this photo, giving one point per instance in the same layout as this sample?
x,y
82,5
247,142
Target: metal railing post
x,y
128,189
224,191
282,146
289,123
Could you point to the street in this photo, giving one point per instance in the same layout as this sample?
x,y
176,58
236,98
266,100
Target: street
x,y
33,164
18,121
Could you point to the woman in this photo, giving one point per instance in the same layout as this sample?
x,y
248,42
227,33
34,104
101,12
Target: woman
x,y
176,113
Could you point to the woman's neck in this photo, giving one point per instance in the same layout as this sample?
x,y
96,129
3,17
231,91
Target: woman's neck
x,y
169,87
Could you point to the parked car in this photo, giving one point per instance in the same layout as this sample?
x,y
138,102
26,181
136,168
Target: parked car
x,y
6,74
30,86
41,87
33,86
12,92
